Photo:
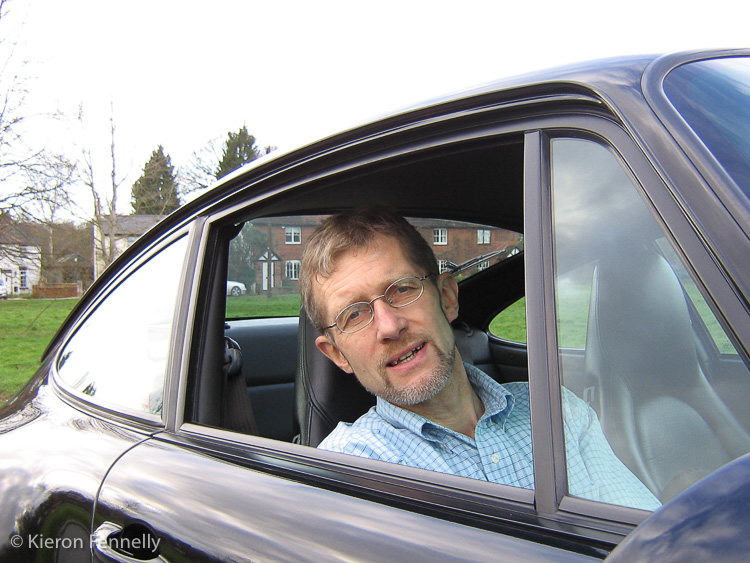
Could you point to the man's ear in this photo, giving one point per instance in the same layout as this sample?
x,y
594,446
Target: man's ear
x,y
332,352
448,289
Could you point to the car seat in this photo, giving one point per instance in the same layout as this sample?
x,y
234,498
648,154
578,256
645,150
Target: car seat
x,y
657,409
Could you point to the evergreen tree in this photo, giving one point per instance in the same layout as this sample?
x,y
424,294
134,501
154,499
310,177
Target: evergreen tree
x,y
155,192
244,250
239,149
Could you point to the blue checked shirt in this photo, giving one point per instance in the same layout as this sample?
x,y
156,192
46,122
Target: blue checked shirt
x,y
501,449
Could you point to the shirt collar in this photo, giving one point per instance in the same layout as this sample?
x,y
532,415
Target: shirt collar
x,y
498,402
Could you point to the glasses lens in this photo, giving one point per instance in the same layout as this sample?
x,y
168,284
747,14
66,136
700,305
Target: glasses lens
x,y
354,317
404,292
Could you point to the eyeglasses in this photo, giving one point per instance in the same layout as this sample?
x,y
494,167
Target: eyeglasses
x,y
400,293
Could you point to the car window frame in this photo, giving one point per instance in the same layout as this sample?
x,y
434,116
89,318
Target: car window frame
x,y
548,501
139,419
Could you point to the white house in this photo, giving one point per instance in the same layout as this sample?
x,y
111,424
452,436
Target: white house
x,y
20,262
126,229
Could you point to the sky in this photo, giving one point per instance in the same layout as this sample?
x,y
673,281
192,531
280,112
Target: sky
x,y
179,73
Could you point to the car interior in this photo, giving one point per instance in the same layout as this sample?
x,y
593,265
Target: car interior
x,y
264,376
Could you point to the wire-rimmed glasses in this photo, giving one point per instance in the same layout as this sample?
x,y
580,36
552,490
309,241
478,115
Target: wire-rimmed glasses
x,y
400,293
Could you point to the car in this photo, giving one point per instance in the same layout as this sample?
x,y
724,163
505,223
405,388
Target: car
x,y
3,289
597,219
236,288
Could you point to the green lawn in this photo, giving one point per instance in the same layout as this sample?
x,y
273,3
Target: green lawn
x,y
26,327
511,323
252,306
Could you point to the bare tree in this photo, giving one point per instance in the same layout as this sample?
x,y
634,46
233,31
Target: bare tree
x,y
104,221
16,157
49,183
201,171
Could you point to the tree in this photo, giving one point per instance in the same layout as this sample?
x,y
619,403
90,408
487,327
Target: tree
x,y
16,157
218,158
50,180
105,213
244,250
155,192
239,149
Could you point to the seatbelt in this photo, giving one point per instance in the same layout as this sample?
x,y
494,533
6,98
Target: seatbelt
x,y
239,408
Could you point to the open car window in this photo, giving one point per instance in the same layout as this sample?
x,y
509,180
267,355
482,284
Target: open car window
x,y
265,256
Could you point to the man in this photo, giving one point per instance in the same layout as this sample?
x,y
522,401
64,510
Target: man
x,y
370,283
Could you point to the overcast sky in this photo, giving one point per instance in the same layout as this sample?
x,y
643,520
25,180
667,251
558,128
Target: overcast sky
x,y
181,72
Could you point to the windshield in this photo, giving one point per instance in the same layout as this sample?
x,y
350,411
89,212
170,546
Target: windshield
x,y
713,96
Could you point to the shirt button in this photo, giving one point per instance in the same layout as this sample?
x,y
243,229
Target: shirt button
x,y
495,458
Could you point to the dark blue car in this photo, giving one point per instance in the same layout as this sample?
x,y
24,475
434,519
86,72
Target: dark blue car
x,y
597,218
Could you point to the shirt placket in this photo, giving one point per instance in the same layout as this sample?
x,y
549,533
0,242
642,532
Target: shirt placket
x,y
501,459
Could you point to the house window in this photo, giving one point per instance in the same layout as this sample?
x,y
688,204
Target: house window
x,y
483,236
440,236
443,266
24,278
293,235
292,269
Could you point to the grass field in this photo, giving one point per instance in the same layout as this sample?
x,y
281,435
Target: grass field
x,y
252,306
26,327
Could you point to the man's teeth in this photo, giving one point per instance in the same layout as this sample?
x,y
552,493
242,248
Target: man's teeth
x,y
408,356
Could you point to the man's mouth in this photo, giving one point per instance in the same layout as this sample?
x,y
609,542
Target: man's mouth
x,y
406,357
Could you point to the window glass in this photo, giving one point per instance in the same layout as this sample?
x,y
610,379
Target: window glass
x,y
119,354
714,98
293,235
263,260
292,269
440,236
510,324
627,312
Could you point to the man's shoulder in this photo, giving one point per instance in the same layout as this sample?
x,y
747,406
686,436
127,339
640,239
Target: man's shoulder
x,y
367,429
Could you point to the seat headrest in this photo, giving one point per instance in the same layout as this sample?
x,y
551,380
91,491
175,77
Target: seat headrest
x,y
325,394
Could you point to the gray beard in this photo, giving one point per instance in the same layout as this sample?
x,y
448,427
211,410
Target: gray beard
x,y
426,390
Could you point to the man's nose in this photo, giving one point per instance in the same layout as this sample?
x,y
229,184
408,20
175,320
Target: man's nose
x,y
388,320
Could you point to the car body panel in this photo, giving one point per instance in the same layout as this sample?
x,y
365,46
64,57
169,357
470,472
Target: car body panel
x,y
50,495
193,499
706,522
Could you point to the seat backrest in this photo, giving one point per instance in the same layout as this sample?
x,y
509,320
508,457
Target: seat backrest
x,y
325,395
657,409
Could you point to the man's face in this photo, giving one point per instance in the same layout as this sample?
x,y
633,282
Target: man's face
x,y
405,355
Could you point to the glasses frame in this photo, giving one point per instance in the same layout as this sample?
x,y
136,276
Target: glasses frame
x,y
372,309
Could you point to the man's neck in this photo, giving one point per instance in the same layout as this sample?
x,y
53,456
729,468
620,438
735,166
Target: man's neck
x,y
457,406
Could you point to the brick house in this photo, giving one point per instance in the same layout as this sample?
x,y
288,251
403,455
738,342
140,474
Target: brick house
x,y
453,243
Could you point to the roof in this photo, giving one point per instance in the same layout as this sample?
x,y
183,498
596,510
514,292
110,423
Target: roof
x,y
130,224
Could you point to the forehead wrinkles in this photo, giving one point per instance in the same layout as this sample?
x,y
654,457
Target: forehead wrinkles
x,y
332,292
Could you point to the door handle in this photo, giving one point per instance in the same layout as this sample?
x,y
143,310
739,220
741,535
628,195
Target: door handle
x,y
135,543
